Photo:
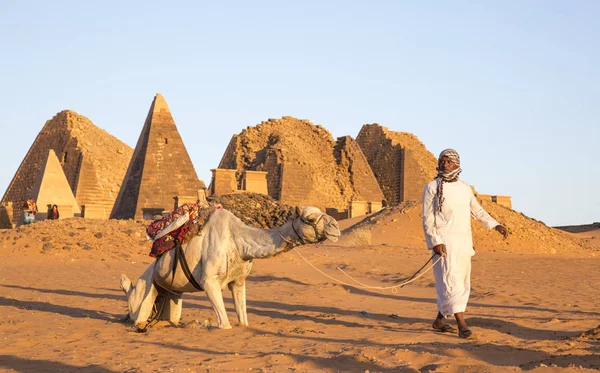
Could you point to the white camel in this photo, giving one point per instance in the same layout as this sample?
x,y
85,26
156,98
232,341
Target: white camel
x,y
221,256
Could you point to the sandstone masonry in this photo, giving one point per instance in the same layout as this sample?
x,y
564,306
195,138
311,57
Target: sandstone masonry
x,y
304,165
94,163
401,163
160,169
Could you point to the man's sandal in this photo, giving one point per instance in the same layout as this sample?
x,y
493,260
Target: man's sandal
x,y
444,328
467,333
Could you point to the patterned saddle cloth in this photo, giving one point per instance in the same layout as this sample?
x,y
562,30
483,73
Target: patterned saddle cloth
x,y
179,226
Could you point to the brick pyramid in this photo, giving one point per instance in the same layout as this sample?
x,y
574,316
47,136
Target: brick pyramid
x,y
400,161
94,163
159,170
52,188
305,165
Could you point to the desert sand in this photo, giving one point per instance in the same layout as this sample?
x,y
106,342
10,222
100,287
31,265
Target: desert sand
x,y
531,303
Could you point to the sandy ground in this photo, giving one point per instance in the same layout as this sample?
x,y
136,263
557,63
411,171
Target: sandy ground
x,y
60,311
592,237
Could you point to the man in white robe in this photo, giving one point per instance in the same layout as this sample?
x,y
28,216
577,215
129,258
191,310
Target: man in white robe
x,y
448,204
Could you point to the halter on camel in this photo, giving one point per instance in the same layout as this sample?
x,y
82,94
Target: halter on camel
x,y
320,238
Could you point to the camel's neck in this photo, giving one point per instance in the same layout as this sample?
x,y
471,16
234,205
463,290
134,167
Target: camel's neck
x,y
254,243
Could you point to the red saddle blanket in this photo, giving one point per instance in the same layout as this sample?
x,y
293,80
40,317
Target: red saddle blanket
x,y
198,216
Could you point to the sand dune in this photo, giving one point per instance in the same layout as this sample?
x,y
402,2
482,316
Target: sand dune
x,y
401,226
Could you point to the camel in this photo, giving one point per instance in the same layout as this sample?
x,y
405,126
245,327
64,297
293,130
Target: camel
x,y
220,257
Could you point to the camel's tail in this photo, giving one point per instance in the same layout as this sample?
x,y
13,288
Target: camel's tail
x,y
125,283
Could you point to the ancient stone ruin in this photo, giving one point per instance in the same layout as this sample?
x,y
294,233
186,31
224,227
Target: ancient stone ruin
x,y
225,182
304,165
291,160
400,162
501,200
52,188
93,161
403,166
159,171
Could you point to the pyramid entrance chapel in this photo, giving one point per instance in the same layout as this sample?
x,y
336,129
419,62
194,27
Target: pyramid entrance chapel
x,y
159,170
52,188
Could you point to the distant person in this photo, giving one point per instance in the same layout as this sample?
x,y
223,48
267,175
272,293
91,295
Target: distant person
x,y
29,211
53,213
448,204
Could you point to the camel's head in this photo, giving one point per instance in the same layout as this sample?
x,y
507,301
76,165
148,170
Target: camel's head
x,y
314,226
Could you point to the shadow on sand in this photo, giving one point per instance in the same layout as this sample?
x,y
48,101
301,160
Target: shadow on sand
x,y
31,365
58,309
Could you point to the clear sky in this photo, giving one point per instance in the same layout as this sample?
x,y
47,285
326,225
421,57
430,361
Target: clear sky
x,y
514,86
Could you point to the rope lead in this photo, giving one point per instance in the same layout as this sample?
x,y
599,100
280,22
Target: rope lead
x,y
407,281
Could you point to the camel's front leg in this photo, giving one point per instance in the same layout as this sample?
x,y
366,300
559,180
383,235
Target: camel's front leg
x,y
215,296
238,291
171,308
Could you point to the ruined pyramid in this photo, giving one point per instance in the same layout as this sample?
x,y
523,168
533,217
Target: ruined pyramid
x,y
305,165
399,160
52,188
94,163
159,170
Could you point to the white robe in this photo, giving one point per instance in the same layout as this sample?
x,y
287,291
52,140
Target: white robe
x,y
452,227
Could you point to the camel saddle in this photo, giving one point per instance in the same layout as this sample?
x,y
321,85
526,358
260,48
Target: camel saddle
x,y
198,217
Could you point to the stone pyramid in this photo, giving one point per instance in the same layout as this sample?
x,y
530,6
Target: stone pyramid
x,y
94,163
399,160
159,170
305,165
52,188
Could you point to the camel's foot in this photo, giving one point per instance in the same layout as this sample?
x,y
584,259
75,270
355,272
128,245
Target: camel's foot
x,y
141,327
226,326
125,283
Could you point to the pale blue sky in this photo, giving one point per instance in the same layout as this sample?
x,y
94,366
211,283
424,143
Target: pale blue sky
x,y
514,86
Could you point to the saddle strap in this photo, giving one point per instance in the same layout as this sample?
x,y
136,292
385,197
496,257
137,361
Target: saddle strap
x,y
180,257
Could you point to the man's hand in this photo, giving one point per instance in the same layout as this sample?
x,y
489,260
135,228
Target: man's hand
x,y
440,249
500,229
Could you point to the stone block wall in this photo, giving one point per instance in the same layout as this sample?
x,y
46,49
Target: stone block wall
x,y
415,177
358,208
254,181
94,211
400,162
273,166
483,197
229,159
374,207
6,216
385,159
223,182
296,185
503,200
363,183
